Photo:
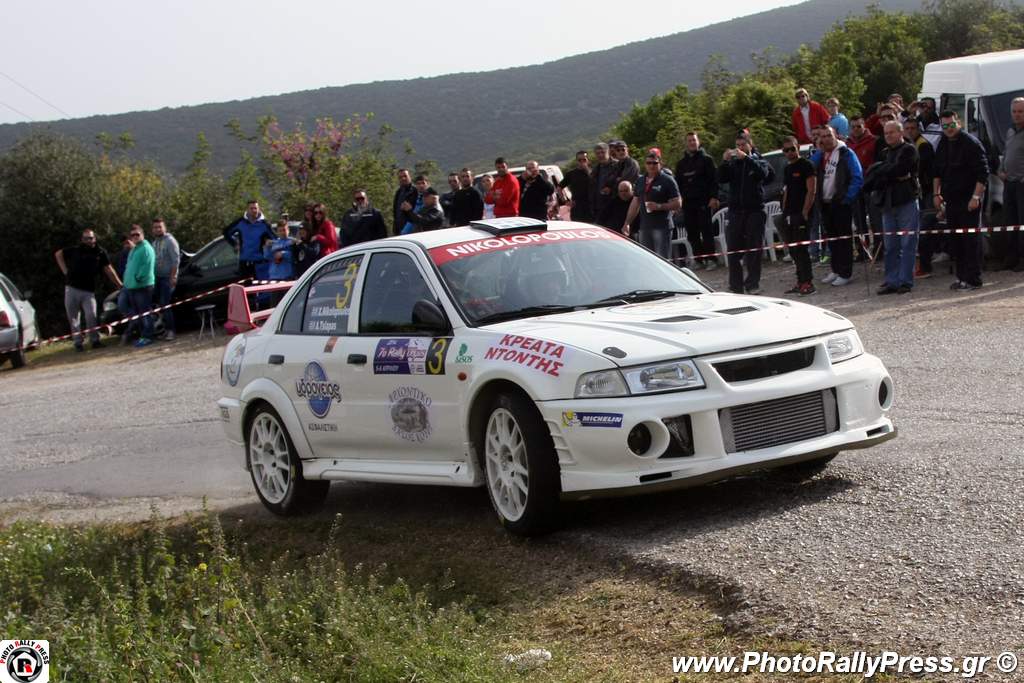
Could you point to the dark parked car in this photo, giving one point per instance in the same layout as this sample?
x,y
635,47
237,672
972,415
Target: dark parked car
x,y
215,265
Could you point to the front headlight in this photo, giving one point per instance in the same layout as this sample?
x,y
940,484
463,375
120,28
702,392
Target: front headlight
x,y
669,376
843,346
601,384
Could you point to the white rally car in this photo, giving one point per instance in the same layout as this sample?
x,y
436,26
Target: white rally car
x,y
543,361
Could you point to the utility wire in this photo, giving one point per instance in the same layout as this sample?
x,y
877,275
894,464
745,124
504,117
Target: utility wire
x,y
20,113
35,94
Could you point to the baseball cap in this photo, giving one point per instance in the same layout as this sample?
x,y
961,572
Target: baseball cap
x,y
431,190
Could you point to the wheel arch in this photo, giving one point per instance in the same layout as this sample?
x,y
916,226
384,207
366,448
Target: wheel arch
x,y
262,391
481,401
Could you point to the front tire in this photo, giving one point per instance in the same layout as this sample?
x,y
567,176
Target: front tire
x,y
276,470
521,467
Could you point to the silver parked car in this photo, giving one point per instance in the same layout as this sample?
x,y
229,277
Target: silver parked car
x,y
18,329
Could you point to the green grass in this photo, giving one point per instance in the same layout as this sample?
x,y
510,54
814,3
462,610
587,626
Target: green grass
x,y
428,598
140,604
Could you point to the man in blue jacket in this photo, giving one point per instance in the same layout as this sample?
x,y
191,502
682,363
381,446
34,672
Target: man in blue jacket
x,y
746,174
839,181
246,235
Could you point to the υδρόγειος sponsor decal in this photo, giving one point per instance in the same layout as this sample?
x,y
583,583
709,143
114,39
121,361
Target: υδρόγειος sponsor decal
x,y
233,366
411,356
450,252
322,427
544,356
575,418
320,391
410,414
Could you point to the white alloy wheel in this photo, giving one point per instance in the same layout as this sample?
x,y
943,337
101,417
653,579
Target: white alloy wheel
x,y
269,458
508,474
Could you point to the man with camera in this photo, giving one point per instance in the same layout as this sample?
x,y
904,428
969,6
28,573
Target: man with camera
x,y
746,173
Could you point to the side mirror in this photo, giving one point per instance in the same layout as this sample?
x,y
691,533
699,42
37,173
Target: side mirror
x,y
688,272
428,316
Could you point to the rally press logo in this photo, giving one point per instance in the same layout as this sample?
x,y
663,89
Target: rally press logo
x,y
317,389
24,661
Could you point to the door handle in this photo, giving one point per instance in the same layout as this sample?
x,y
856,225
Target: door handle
x,y
276,359
357,359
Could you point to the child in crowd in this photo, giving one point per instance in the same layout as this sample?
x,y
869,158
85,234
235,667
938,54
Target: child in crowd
x,y
278,253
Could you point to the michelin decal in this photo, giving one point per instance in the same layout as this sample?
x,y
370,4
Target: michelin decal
x,y
575,418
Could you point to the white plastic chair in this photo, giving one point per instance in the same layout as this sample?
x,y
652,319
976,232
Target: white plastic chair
x,y
771,209
720,221
679,238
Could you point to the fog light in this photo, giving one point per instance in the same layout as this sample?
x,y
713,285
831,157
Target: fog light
x,y
639,439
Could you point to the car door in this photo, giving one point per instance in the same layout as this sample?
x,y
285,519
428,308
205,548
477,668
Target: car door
x,y
26,312
215,265
403,395
304,357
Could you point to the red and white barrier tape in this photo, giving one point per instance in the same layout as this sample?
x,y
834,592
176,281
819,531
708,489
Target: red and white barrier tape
x,y
774,245
137,316
861,236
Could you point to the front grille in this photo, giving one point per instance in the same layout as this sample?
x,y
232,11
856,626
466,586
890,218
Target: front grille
x,y
783,420
760,367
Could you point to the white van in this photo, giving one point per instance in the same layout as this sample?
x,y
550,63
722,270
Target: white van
x,y
979,89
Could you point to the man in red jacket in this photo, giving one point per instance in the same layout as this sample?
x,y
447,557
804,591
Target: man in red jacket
x,y
807,114
505,193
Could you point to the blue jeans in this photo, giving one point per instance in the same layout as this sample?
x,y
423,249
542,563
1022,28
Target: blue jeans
x,y
141,300
658,240
162,297
901,250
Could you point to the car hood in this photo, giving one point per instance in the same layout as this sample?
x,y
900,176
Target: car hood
x,y
682,326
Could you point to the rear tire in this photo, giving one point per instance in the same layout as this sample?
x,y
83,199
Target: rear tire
x,y
520,466
17,358
276,469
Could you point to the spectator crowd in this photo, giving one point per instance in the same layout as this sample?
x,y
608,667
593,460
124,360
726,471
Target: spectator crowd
x,y
846,180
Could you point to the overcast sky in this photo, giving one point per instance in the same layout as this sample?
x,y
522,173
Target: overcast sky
x,y
87,57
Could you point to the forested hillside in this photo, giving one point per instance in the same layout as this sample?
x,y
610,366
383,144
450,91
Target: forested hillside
x,y
544,110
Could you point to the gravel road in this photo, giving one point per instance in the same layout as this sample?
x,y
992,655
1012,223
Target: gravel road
x,y
914,544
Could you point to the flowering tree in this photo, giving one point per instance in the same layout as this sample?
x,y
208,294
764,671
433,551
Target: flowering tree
x,y
305,166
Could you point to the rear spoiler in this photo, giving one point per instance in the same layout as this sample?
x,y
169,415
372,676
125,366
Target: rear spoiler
x,y
241,318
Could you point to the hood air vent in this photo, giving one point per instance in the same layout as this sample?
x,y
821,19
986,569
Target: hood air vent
x,y
737,311
677,319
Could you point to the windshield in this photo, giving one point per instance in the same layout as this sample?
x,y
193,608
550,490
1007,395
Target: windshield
x,y
998,106
555,271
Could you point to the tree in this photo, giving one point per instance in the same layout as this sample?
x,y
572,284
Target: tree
x,y
954,28
200,204
53,187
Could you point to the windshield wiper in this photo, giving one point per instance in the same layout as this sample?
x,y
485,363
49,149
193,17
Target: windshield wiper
x,y
642,295
543,309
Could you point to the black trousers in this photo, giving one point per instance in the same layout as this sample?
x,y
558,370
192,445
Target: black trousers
x,y
1013,214
700,233
966,247
745,231
928,245
836,221
800,254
